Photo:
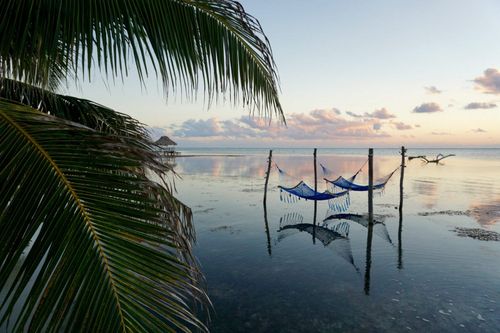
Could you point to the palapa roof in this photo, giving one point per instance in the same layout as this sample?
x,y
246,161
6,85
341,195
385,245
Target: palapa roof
x,y
165,141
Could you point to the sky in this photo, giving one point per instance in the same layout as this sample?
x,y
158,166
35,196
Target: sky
x,y
352,74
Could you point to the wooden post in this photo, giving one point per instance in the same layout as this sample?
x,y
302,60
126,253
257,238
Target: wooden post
x,y
370,185
315,202
401,193
403,152
267,174
315,172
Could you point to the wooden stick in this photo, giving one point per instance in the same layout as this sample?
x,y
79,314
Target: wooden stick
x,y
315,173
267,174
315,201
370,186
438,159
403,152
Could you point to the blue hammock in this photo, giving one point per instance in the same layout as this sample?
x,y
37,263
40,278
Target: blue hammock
x,y
338,201
302,190
348,184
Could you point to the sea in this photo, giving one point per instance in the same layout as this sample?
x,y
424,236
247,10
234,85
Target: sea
x,y
428,262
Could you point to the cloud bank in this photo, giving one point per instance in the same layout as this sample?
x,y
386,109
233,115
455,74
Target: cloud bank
x,y
320,124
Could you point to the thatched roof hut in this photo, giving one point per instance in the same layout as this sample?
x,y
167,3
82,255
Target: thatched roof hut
x,y
165,141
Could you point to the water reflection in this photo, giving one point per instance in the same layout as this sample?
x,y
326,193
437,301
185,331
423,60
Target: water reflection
x,y
447,280
428,192
378,225
486,213
335,238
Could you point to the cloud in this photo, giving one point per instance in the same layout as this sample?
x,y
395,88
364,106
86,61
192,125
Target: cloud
x,y
354,115
200,128
490,81
427,108
377,126
477,105
432,90
380,114
440,133
402,126
479,130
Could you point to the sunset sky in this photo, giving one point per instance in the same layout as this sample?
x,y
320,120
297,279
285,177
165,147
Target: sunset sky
x,y
353,74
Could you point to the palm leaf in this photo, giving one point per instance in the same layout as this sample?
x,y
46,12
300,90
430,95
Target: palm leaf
x,y
93,244
214,43
82,111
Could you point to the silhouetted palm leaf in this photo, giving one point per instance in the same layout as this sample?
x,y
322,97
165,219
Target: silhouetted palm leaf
x,y
214,43
92,244
82,111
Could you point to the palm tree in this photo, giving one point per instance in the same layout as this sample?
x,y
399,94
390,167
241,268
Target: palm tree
x,y
91,236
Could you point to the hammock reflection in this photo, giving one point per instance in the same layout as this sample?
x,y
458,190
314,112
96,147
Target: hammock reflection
x,y
379,227
334,238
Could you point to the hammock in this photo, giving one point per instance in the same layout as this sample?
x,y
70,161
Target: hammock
x,y
348,184
339,201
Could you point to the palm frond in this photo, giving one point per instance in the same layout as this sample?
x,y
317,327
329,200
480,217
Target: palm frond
x,y
214,43
82,111
93,244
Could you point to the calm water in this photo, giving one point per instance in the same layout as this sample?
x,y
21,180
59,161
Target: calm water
x,y
417,275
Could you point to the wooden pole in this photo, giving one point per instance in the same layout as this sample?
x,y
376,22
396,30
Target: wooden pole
x,y
316,190
267,174
369,237
401,193
403,152
315,172
370,185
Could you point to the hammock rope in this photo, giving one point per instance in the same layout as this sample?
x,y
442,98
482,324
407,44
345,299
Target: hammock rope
x,y
328,172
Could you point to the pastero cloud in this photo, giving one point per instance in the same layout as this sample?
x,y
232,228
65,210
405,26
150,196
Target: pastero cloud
x,y
427,108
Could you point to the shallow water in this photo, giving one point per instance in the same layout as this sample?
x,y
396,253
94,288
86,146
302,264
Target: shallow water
x,y
417,275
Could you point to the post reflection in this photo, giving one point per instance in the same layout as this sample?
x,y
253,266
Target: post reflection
x,y
314,221
368,263
268,235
